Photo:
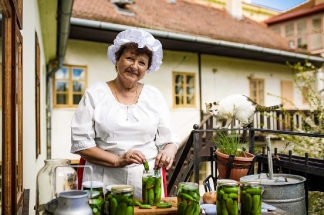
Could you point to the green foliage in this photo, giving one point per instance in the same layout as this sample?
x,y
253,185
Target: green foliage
x,y
312,122
316,203
229,143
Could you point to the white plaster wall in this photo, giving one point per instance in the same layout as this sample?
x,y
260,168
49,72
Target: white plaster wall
x,y
230,76
31,165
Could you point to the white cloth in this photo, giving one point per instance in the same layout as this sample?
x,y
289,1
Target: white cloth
x,y
100,120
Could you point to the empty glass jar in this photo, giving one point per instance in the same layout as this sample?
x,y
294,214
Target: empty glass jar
x,y
47,186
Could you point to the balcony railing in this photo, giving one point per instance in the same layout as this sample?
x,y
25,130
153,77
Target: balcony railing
x,y
198,148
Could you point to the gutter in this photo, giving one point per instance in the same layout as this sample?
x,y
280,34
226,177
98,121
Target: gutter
x,y
64,12
190,38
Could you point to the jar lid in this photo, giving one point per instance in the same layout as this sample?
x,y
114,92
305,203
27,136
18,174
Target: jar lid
x,y
225,181
95,184
191,186
251,182
230,184
108,187
122,188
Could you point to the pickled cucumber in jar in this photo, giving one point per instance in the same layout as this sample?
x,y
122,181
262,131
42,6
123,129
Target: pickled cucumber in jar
x,y
121,201
251,197
96,201
188,198
227,197
151,187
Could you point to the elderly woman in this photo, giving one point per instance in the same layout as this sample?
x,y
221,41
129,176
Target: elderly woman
x,y
121,123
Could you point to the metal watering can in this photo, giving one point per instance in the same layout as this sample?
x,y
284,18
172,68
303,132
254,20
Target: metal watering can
x,y
73,202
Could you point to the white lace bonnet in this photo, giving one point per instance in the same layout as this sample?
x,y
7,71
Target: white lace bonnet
x,y
142,38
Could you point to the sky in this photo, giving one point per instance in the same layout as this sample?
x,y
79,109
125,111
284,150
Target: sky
x,y
279,5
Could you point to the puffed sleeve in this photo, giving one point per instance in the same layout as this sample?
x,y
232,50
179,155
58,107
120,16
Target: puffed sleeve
x,y
166,132
82,125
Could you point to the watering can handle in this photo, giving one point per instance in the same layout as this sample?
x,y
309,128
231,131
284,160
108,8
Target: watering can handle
x,y
91,172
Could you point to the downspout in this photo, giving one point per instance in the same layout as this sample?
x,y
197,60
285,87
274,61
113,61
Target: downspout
x,y
200,88
190,38
64,11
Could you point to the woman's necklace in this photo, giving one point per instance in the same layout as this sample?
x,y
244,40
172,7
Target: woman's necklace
x,y
120,102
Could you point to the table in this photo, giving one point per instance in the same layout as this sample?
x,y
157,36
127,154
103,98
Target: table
x,y
173,209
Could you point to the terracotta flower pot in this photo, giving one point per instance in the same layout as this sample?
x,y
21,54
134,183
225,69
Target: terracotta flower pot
x,y
236,173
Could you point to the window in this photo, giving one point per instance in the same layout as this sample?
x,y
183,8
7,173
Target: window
x,y
287,94
302,42
302,34
69,85
184,89
289,29
316,34
257,90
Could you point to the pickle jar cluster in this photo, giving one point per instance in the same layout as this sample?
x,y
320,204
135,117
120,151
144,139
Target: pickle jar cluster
x,y
151,187
251,197
227,197
120,200
188,198
96,200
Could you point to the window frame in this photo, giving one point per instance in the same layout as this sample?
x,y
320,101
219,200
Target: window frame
x,y
70,91
257,97
12,108
174,94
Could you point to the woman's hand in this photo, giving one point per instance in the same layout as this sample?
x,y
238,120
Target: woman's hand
x,y
134,156
166,157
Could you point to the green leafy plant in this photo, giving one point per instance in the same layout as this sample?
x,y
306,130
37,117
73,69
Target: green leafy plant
x,y
229,143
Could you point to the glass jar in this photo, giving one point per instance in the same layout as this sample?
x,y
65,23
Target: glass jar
x,y
188,198
227,197
65,179
107,197
251,197
121,200
96,197
151,187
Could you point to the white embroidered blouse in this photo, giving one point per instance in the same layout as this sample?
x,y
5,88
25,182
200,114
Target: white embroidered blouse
x,y
100,120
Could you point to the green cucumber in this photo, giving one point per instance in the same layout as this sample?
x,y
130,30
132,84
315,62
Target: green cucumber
x,y
164,205
145,206
146,166
130,210
230,189
113,206
254,191
229,206
182,206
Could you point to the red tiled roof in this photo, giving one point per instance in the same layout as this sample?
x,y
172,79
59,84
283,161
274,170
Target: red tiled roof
x,y
303,10
185,17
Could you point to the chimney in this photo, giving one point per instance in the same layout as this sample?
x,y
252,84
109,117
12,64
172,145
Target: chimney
x,y
234,7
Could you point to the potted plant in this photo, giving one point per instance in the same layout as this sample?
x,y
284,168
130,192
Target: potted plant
x,y
233,161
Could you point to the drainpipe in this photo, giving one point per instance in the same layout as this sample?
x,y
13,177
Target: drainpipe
x,y
200,92
64,11
197,39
